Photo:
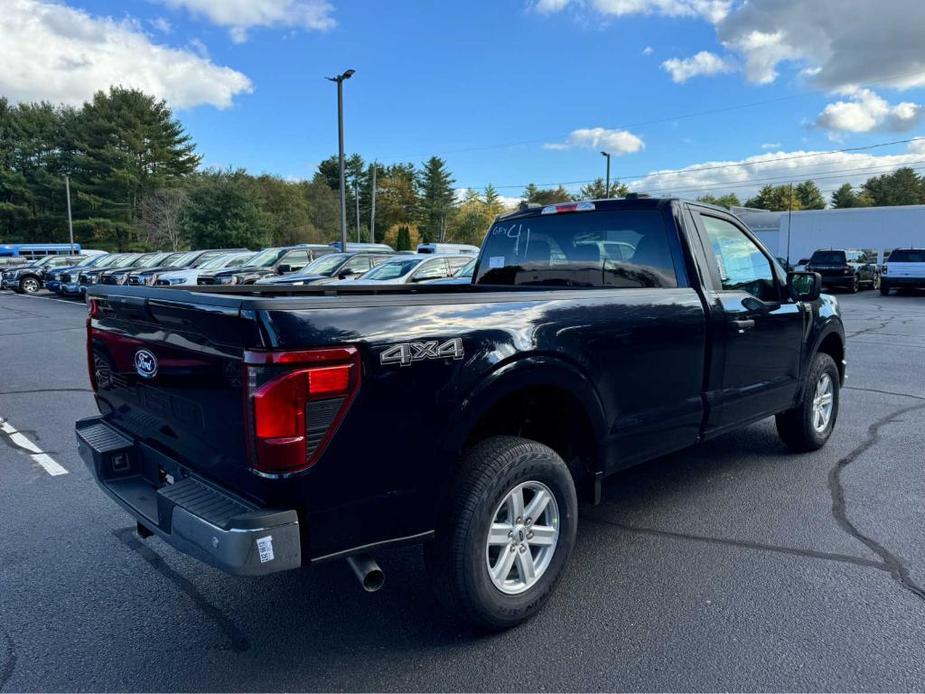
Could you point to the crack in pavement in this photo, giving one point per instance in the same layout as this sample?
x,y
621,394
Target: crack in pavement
x,y
41,332
238,641
891,562
7,657
870,390
742,544
55,390
882,325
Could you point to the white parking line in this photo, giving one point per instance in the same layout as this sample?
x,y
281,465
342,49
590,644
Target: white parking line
x,y
51,298
49,464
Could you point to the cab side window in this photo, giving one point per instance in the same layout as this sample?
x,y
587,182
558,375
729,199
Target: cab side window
x,y
742,265
295,259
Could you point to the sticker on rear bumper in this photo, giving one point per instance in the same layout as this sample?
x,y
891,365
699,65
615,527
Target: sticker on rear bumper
x,y
265,548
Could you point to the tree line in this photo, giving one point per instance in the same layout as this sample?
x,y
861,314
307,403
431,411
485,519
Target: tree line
x,y
136,183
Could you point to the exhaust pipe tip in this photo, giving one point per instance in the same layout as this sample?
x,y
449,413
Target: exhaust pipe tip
x,y
367,571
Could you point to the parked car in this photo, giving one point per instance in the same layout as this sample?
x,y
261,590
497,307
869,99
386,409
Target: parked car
x,y
847,269
93,276
801,265
120,275
268,262
358,247
261,433
409,269
224,261
52,277
461,276
28,278
180,261
448,248
904,268
332,267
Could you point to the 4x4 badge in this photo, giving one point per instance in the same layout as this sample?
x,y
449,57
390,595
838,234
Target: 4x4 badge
x,y
407,353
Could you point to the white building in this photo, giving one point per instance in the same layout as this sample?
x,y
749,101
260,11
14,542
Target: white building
x,y
796,235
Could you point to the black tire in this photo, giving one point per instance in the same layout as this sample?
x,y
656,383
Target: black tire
x,y
796,426
884,288
855,285
29,285
457,557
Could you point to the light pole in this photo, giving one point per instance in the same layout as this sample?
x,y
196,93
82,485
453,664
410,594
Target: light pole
x,y
372,208
346,75
70,222
607,183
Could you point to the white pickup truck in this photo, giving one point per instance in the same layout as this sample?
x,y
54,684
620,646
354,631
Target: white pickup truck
x,y
904,268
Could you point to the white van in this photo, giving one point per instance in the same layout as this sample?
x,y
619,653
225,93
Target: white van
x,y
452,248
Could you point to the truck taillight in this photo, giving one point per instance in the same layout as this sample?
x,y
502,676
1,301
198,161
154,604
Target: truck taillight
x,y
93,310
295,403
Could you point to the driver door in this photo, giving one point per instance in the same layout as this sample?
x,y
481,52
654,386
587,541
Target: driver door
x,y
759,341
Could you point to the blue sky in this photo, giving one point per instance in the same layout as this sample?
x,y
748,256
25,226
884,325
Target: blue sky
x,y
507,91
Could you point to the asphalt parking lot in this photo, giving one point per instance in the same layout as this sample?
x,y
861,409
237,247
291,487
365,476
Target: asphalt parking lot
x,y
732,566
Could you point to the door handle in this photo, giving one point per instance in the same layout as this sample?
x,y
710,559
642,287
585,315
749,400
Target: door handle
x,y
743,324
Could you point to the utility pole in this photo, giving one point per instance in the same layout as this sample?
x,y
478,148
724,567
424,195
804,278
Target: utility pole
x,y
607,183
356,196
340,151
70,222
372,208
789,219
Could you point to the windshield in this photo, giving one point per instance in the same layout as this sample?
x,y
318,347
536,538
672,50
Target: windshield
x,y
393,269
227,260
266,257
153,259
907,255
467,269
828,258
127,260
183,259
106,260
325,265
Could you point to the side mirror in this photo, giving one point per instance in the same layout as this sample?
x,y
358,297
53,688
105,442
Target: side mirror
x,y
804,286
283,269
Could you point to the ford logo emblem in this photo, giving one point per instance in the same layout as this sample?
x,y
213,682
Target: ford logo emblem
x,y
145,364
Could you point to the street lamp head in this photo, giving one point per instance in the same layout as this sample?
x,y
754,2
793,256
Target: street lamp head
x,y
340,78
606,154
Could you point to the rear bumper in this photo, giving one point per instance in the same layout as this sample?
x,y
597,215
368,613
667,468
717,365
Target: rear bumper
x,y
191,514
903,281
837,280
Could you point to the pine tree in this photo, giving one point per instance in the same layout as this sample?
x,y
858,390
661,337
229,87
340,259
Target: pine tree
x,y
809,195
436,199
597,190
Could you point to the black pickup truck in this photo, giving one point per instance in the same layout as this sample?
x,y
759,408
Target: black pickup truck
x,y
264,428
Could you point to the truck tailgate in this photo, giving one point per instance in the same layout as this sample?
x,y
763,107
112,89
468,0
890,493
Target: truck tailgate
x,y
170,374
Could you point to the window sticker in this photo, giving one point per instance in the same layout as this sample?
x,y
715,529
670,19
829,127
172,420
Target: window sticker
x,y
496,261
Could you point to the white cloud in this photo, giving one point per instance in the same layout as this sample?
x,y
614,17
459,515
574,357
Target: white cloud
x,y
711,10
744,177
59,54
836,42
866,111
238,16
648,50
703,63
771,145
614,141
550,6
161,25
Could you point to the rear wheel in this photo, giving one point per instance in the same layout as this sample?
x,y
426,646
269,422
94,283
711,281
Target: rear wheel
x,y
875,282
855,285
809,425
506,533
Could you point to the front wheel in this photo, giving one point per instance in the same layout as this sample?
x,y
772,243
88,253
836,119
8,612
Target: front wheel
x,y
884,288
28,285
855,285
506,533
809,425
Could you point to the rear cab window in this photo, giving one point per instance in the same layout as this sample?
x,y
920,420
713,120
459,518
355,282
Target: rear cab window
x,y
611,248
907,255
828,258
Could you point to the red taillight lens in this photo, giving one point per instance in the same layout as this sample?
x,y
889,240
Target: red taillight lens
x,y
294,413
